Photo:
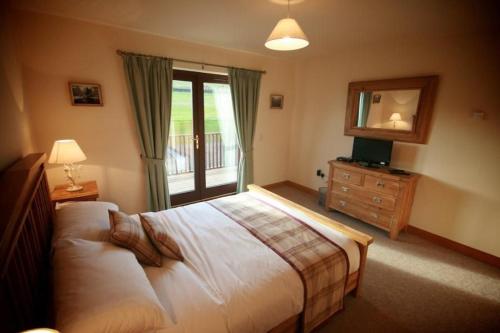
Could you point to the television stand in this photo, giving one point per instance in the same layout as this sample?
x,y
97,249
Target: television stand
x,y
374,196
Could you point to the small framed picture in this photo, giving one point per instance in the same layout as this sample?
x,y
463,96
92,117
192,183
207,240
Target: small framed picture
x,y
376,98
277,101
85,94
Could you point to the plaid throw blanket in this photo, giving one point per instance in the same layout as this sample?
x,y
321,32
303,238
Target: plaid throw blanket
x,y
321,264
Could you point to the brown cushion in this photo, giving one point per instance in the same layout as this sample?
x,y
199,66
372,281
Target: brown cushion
x,y
128,233
158,233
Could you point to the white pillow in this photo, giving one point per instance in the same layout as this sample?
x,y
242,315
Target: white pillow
x,y
84,219
99,287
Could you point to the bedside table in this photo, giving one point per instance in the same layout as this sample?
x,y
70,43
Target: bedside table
x,y
88,193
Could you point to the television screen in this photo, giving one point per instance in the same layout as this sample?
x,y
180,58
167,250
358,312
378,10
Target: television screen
x,y
372,151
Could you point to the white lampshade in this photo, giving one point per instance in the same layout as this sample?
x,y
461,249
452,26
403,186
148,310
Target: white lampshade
x,y
41,330
287,36
395,116
65,152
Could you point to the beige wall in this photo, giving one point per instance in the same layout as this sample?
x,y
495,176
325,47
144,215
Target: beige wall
x,y
458,196
57,50
15,135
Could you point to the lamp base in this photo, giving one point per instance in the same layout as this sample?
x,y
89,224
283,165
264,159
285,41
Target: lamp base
x,y
74,188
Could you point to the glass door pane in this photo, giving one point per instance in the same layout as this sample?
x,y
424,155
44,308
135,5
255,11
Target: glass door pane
x,y
221,147
180,150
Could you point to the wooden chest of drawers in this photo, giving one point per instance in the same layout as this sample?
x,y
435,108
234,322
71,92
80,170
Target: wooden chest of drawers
x,y
372,195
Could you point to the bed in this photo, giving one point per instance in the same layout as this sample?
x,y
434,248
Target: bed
x,y
221,285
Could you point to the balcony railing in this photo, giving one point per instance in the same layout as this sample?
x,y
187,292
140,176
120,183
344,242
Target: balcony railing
x,y
218,154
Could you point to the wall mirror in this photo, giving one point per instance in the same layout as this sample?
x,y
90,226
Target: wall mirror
x,y
393,109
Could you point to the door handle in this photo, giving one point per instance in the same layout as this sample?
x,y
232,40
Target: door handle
x,y
196,140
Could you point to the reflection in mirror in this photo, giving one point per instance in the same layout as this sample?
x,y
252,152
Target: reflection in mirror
x,y
388,109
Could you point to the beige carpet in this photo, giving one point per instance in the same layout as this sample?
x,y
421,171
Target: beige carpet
x,y
412,285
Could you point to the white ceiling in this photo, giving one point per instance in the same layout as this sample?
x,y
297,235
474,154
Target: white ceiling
x,y
245,24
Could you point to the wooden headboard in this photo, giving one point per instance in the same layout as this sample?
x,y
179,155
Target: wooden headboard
x,y
26,215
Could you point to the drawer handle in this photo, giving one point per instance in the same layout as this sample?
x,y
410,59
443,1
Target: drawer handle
x,y
346,176
345,189
377,200
342,203
380,183
374,215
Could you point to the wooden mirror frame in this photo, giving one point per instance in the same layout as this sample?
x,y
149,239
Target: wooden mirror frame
x,y
419,132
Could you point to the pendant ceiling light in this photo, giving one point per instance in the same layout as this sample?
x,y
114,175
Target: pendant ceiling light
x,y
287,35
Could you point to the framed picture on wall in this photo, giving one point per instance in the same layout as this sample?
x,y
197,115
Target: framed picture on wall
x,y
85,94
277,101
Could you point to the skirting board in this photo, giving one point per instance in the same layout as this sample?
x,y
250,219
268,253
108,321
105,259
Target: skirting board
x,y
299,187
455,246
439,240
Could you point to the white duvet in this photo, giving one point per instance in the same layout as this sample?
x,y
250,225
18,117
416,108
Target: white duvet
x,y
230,281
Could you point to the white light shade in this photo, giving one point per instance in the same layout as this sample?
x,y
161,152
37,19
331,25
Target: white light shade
x,y
395,116
287,36
66,151
41,330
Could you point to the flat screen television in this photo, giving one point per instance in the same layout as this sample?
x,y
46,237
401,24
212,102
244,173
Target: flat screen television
x,y
372,151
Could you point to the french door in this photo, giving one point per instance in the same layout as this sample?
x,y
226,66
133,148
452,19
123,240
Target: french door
x,y
202,153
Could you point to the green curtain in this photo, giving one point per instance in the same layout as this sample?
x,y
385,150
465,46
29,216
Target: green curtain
x,y
364,108
245,86
150,87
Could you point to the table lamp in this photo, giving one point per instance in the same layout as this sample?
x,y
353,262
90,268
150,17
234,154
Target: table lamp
x,y
395,117
68,152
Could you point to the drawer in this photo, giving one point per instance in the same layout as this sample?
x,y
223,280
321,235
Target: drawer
x,y
366,197
380,219
345,205
375,199
381,185
344,189
365,213
347,176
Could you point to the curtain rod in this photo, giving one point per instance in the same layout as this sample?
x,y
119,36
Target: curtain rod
x,y
120,52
